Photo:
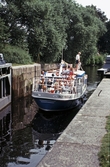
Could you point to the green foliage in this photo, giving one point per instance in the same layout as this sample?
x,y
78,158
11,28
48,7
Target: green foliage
x,y
85,30
104,40
99,59
104,154
100,14
16,55
95,60
48,35
46,28
3,33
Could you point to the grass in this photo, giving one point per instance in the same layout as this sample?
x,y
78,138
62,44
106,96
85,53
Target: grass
x,y
14,64
104,154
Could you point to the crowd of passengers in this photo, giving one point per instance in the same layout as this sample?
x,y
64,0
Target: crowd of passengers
x,y
66,83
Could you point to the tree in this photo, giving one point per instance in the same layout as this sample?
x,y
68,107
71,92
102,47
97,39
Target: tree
x,y
3,34
84,31
104,41
38,26
99,14
48,28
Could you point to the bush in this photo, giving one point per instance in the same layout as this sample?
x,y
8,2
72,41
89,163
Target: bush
x,y
99,59
13,54
95,60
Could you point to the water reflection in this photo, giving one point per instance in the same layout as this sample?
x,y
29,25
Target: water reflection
x,y
16,139
5,128
23,112
93,79
47,127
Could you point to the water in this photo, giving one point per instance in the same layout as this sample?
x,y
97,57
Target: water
x,y
26,134
93,79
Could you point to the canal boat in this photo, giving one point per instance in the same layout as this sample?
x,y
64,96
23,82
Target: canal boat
x,y
105,70
5,82
60,90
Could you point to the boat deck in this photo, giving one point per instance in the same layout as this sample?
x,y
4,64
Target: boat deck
x,y
63,84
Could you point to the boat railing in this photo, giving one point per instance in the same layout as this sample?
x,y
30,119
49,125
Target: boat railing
x,y
60,85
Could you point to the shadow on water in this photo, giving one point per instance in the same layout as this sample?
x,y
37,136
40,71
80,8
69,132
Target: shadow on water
x,y
26,133
48,125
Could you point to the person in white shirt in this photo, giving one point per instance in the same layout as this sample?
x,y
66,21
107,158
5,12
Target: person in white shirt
x,y
78,60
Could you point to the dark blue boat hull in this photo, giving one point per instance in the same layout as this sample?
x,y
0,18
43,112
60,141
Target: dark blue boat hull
x,y
56,105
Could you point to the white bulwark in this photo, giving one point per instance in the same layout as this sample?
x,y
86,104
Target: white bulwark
x,y
5,82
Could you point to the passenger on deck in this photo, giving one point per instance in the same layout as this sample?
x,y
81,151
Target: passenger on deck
x,y
78,60
66,71
42,73
72,87
49,83
42,86
71,71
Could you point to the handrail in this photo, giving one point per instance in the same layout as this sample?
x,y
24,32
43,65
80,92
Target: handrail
x,y
60,85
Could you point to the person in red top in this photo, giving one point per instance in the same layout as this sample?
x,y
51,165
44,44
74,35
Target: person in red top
x,y
71,71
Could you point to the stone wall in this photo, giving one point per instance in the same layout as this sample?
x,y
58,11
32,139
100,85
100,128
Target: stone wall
x,y
22,79
47,67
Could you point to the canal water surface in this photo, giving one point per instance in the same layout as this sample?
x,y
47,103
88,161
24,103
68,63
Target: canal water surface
x,y
27,134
